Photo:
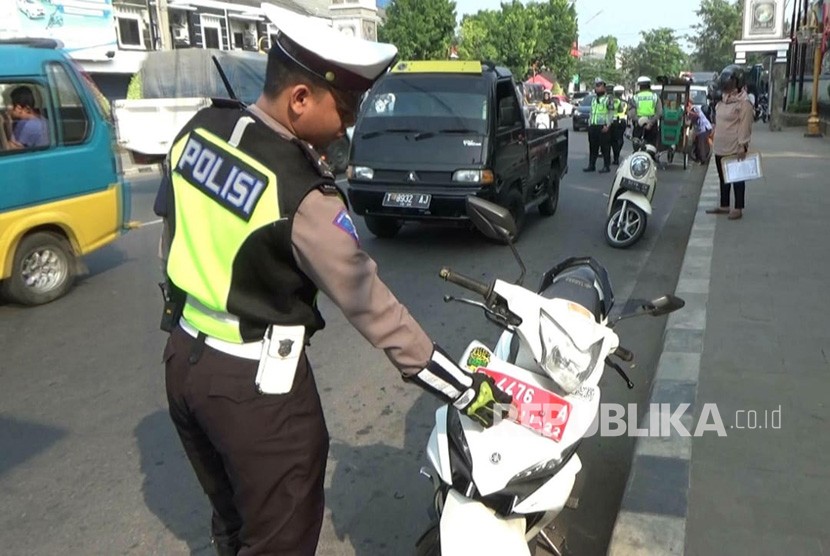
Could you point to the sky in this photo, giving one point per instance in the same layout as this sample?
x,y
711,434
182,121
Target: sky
x,y
621,18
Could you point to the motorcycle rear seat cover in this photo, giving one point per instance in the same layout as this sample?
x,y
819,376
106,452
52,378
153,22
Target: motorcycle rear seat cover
x,y
576,284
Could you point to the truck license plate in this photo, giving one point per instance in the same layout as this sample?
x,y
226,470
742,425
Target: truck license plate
x,y
407,200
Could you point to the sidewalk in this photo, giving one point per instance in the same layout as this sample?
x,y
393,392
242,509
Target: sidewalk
x,y
752,345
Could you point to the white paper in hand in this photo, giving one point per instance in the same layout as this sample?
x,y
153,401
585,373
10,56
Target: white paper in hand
x,y
742,170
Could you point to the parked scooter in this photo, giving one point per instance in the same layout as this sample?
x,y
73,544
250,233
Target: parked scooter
x,y
498,490
762,108
629,203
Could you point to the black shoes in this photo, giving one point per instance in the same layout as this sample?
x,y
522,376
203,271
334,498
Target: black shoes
x,y
616,163
589,169
605,170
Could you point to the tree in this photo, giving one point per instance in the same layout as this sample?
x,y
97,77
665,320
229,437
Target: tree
x,y
658,53
475,41
516,37
421,29
556,33
720,25
537,35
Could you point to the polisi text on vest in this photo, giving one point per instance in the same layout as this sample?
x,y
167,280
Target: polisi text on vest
x,y
222,176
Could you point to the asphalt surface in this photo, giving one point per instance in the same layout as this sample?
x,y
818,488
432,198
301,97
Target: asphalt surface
x,y
90,463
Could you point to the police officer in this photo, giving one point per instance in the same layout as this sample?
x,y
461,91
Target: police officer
x,y
620,123
599,128
646,104
257,228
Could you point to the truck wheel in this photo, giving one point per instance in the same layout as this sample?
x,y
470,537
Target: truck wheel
x,y
548,207
516,205
43,269
383,226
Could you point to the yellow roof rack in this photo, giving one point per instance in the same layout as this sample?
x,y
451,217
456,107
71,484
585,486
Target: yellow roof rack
x,y
438,66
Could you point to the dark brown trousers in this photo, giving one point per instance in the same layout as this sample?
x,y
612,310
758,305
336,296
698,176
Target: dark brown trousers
x,y
261,459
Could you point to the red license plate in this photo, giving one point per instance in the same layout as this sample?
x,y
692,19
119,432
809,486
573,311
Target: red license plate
x,y
536,408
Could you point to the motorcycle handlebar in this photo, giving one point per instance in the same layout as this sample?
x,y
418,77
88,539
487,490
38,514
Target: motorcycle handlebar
x,y
465,282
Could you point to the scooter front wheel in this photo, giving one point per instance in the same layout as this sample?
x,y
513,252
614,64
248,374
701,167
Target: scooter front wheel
x,y
430,542
625,226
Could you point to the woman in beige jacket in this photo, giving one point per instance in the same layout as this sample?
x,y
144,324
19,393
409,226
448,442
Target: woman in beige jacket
x,y
733,131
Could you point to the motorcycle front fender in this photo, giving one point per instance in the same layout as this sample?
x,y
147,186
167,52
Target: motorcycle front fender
x,y
636,199
470,527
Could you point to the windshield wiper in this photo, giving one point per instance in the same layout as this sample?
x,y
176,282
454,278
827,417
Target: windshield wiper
x,y
370,134
428,134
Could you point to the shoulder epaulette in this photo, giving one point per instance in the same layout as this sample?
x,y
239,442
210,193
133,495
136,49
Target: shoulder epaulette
x,y
316,159
227,103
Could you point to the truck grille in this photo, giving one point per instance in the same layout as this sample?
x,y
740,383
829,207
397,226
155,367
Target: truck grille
x,y
402,176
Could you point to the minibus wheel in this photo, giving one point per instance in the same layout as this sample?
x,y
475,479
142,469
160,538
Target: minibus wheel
x,y
43,269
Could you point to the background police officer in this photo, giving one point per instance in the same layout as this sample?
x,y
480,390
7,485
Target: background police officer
x,y
646,104
620,122
599,128
257,228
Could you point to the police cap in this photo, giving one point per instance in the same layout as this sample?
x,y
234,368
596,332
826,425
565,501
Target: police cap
x,y
346,63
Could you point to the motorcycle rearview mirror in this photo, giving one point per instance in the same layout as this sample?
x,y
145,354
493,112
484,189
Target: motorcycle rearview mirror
x,y
657,307
664,305
492,220
495,222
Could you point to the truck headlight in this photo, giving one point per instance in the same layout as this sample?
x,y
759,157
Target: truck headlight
x,y
640,165
360,173
473,176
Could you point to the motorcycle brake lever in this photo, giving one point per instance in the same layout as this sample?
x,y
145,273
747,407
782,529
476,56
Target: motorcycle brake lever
x,y
479,304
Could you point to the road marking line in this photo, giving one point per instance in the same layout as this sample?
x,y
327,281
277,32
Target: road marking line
x,y
150,223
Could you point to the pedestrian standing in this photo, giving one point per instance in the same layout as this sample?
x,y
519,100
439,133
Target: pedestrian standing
x,y
257,228
599,128
620,123
646,107
733,133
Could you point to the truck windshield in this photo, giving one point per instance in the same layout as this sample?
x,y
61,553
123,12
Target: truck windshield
x,y
426,104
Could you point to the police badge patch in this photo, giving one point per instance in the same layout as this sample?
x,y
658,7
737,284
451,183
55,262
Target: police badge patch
x,y
344,222
479,357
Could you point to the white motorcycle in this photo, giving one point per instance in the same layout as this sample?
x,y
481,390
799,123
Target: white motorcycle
x,y
543,119
497,490
629,203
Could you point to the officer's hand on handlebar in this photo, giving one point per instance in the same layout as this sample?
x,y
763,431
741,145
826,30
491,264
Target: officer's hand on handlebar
x,y
485,401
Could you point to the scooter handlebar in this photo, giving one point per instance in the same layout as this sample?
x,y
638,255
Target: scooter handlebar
x,y
468,283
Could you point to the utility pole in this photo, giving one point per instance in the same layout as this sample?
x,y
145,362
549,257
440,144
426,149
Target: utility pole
x,y
165,41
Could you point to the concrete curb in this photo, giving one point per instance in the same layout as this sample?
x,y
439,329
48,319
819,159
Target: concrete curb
x,y
652,518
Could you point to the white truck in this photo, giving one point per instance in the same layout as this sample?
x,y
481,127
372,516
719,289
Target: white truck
x,y
176,84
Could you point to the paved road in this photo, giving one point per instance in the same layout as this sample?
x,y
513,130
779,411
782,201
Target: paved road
x,y
89,462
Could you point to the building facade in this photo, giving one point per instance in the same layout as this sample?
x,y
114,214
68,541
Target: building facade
x,y
110,38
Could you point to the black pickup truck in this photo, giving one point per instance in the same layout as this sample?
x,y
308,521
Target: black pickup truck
x,y
430,134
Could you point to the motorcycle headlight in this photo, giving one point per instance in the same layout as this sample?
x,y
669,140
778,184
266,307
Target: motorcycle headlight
x,y
640,165
564,362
